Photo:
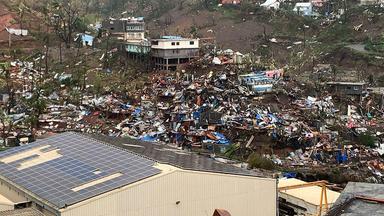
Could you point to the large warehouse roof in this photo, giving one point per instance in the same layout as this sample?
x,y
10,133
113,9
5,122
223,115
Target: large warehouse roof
x,y
179,158
69,168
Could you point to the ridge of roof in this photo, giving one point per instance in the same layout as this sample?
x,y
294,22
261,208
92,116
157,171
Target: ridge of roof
x,y
164,154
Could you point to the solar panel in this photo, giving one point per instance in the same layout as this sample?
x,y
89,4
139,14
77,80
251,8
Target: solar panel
x,y
82,160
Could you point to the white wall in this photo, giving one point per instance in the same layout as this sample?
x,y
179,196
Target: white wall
x,y
135,36
183,44
9,197
198,193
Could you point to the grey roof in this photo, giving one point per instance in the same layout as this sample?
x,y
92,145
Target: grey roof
x,y
346,83
347,205
180,158
82,160
22,212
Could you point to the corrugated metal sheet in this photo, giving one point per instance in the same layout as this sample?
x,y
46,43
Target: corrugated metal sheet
x,y
185,193
22,212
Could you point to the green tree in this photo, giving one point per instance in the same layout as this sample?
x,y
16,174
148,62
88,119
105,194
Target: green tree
x,y
36,104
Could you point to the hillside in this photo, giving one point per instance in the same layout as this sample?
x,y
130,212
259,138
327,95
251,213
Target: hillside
x,y
252,29
276,36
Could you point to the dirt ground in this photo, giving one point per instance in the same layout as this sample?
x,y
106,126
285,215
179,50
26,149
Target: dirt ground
x,y
236,34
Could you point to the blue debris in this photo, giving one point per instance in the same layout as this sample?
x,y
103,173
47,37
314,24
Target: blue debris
x,y
222,140
137,111
289,175
148,138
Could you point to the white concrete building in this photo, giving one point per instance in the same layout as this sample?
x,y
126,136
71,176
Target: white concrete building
x,y
170,51
371,2
304,8
76,175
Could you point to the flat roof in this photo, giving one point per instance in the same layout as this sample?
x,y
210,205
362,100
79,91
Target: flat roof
x,y
68,168
183,159
174,39
346,83
310,194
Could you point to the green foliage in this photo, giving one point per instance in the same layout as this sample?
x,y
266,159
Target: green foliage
x,y
367,139
81,25
256,160
230,12
98,84
230,152
375,45
194,31
337,33
210,5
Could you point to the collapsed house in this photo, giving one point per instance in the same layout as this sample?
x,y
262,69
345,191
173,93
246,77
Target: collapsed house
x,y
261,81
359,198
347,88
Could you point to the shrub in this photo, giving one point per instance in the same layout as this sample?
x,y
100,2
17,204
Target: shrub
x,y
367,139
256,160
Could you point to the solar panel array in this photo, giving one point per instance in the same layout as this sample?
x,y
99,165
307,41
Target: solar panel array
x,y
81,157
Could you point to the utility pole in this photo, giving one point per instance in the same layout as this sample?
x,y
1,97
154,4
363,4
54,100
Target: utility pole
x,y
9,39
345,11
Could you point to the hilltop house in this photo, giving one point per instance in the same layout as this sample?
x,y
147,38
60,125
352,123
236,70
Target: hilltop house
x,y
168,52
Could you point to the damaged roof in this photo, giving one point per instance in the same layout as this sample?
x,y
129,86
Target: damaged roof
x,y
179,158
22,212
349,205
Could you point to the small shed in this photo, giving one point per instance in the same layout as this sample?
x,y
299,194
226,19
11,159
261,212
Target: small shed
x,y
304,8
85,39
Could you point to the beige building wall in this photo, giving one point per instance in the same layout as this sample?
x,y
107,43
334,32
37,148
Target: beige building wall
x,y
184,193
6,207
182,44
9,197
12,194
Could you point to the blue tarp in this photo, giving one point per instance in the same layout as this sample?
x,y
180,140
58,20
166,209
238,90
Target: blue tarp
x,y
222,140
341,158
148,138
87,39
